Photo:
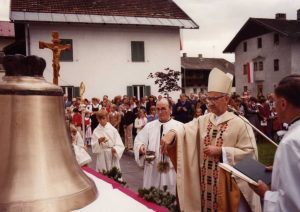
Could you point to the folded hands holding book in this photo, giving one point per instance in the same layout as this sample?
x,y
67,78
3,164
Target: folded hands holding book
x,y
261,187
253,172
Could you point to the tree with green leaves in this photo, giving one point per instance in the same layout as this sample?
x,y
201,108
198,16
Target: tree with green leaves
x,y
166,80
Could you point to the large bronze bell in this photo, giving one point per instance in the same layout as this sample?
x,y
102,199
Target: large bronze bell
x,y
38,169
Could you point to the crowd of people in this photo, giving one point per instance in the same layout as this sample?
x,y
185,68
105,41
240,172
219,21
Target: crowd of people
x,y
183,142
129,115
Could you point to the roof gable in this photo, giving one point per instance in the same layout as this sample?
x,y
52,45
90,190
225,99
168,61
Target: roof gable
x,y
135,8
158,9
258,26
200,63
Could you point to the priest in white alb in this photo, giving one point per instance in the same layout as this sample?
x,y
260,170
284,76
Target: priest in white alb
x,y
284,194
199,146
147,149
106,143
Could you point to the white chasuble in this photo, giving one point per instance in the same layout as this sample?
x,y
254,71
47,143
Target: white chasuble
x,y
150,137
105,159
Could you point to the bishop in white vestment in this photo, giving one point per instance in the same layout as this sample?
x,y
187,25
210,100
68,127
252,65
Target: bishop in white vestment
x,y
201,144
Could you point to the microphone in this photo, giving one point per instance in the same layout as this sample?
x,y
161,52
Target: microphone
x,y
235,112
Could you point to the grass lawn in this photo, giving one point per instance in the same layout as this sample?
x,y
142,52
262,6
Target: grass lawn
x,y
266,152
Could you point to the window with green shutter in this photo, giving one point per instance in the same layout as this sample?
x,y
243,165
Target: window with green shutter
x,y
76,92
129,91
67,55
138,91
137,51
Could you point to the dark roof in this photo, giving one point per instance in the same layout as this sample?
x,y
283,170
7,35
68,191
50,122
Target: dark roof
x,y
132,8
258,26
206,64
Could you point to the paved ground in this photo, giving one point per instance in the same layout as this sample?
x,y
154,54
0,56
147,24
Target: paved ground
x,y
131,173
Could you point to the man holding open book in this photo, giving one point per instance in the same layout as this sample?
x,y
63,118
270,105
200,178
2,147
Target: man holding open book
x,y
198,146
285,190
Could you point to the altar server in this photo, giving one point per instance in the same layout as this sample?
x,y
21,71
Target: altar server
x,y
106,143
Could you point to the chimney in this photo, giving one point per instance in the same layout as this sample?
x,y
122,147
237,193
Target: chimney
x,y
298,15
280,16
200,56
184,55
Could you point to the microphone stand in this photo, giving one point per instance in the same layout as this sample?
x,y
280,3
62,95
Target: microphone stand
x,y
251,125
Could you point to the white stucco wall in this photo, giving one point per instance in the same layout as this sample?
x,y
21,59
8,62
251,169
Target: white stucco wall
x,y
295,59
269,51
102,56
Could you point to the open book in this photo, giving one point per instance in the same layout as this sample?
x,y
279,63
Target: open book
x,y
249,170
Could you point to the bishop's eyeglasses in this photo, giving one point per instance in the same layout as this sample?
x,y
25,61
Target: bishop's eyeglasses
x,y
214,98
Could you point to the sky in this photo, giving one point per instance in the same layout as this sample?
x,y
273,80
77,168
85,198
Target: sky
x,y
219,21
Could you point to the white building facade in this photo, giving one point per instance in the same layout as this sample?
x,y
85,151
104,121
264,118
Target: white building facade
x,y
115,45
102,56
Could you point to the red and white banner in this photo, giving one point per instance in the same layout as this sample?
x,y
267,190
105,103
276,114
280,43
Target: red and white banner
x,y
250,72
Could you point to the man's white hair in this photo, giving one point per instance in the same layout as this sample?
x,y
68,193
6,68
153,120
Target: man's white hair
x,y
164,101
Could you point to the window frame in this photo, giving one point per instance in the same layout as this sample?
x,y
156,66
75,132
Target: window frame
x,y
66,55
255,66
245,69
259,43
260,65
276,64
245,46
276,39
137,51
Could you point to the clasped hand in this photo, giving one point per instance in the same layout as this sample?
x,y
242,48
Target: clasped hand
x,y
102,140
212,150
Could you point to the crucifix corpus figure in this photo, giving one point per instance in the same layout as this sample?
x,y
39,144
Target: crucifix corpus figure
x,y
56,48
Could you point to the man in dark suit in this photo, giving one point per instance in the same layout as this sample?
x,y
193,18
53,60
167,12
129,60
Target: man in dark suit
x,y
183,110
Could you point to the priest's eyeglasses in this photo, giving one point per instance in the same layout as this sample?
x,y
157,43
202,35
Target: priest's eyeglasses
x,y
214,98
163,109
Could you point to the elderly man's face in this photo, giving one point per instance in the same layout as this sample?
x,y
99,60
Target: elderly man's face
x,y
163,111
217,102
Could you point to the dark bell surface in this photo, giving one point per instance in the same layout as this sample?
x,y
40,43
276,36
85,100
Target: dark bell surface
x,y
20,65
24,76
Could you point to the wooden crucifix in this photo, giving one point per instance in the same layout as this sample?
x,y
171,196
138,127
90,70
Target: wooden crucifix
x,y
56,48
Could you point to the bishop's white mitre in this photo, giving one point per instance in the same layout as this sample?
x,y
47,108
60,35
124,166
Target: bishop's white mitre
x,y
218,81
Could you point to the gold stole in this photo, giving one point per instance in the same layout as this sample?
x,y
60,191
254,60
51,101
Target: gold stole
x,y
228,192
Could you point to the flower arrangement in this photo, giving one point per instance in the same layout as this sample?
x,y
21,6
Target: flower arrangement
x,y
114,174
160,197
